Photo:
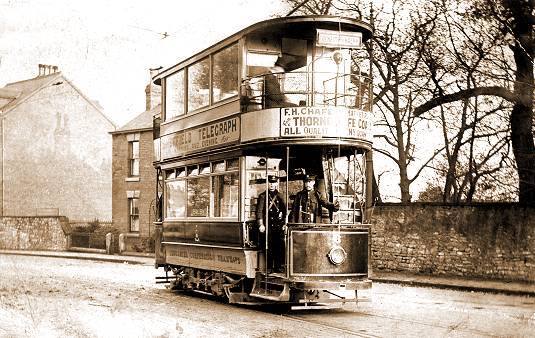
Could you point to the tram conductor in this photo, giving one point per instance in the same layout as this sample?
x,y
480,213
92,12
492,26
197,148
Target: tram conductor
x,y
276,222
307,205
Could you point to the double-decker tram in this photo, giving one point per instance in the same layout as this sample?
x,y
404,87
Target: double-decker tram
x,y
283,106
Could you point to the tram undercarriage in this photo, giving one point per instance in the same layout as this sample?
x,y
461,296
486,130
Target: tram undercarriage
x,y
272,288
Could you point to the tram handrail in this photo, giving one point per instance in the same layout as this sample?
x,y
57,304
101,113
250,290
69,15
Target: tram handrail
x,y
355,91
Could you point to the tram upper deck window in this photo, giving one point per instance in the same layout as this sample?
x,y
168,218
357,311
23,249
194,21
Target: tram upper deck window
x,y
199,85
174,95
225,73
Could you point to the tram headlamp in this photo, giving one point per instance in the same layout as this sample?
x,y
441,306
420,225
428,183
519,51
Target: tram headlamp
x,y
337,57
337,255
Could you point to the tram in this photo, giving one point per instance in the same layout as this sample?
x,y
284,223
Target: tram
x,y
290,98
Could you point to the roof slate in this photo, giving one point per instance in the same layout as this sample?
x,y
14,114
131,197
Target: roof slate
x,y
27,88
142,121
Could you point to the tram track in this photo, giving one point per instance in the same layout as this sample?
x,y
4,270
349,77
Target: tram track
x,y
448,328
302,318
331,327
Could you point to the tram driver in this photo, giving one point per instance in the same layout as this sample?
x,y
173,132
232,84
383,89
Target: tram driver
x,y
307,205
276,222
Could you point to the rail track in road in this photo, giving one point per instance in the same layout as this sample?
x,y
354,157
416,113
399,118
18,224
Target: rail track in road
x,y
449,329
324,323
333,328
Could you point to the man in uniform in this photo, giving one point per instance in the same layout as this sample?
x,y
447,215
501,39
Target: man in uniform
x,y
276,222
307,205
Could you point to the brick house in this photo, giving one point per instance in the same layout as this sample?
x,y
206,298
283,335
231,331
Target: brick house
x,y
55,150
134,177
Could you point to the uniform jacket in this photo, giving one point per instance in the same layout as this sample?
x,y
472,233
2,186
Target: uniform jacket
x,y
307,205
277,208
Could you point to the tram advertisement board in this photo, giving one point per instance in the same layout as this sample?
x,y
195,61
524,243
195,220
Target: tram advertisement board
x,y
206,257
201,138
326,122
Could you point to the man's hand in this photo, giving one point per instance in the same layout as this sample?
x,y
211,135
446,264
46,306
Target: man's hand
x,y
336,205
261,228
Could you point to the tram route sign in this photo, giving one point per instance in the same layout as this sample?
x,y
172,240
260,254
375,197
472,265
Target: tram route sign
x,y
336,39
205,137
326,122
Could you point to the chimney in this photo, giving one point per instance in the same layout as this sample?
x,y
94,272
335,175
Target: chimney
x,y
47,69
153,93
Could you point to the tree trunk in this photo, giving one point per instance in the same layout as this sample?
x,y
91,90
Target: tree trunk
x,y
522,113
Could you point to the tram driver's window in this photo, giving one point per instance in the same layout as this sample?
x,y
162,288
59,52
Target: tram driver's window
x,y
174,95
199,85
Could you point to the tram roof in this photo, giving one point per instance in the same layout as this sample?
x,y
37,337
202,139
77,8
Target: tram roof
x,y
288,25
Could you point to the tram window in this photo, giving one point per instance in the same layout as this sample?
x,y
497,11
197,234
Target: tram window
x,y
174,95
198,197
198,84
261,61
181,172
233,164
193,170
256,180
218,167
170,174
175,198
294,54
204,168
225,73
225,190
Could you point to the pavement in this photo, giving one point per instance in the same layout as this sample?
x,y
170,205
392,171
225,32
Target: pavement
x,y
445,282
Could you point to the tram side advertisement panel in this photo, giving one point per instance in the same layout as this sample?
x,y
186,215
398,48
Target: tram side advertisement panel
x,y
326,122
209,258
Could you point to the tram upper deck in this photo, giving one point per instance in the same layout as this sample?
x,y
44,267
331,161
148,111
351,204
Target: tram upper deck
x,y
287,80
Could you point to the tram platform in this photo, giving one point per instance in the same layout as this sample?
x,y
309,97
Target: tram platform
x,y
445,282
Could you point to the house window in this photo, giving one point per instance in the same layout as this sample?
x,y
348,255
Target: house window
x,y
133,214
134,157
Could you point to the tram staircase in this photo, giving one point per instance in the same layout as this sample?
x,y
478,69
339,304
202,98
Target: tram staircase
x,y
271,287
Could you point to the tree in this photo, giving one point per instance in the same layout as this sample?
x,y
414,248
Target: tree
x,y
398,54
475,130
511,22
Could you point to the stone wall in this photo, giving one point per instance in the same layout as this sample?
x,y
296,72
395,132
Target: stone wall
x,y
484,241
34,233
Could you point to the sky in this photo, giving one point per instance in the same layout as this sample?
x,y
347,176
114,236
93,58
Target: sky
x,y
106,48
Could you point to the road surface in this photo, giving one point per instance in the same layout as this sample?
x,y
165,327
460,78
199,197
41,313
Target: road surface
x,y
58,297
